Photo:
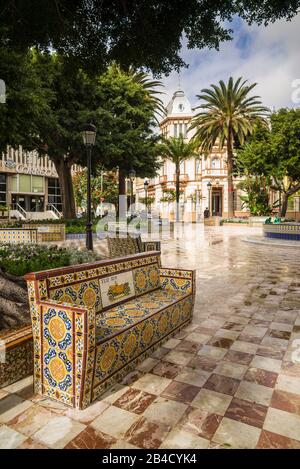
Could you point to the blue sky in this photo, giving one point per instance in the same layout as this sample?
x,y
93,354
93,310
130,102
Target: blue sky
x,y
266,55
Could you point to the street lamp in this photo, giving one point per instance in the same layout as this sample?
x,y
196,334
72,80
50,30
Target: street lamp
x,y
146,184
209,189
131,178
89,137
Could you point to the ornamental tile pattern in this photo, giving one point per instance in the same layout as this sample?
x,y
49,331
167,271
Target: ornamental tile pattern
x,y
235,288
83,345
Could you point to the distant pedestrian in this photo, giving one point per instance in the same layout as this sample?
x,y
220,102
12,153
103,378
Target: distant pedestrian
x,y
206,213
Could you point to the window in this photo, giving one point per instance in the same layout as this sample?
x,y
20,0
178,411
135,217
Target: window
x,y
175,130
14,184
24,183
2,189
216,163
180,129
197,166
54,196
37,184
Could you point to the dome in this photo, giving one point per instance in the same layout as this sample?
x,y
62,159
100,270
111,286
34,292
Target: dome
x,y
179,105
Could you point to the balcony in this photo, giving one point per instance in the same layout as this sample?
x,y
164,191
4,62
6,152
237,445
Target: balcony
x,y
182,178
163,179
215,172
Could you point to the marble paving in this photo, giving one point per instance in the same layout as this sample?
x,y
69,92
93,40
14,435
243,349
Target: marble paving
x,y
231,379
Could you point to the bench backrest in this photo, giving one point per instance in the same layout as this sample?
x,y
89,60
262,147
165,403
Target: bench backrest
x,y
100,284
119,246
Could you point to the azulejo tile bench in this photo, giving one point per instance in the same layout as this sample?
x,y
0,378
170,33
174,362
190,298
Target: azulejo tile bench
x,y
93,323
16,355
125,245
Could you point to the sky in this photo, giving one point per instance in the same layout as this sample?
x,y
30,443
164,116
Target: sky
x,y
268,56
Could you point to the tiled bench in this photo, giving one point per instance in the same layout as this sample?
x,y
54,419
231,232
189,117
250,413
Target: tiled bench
x,y
93,323
16,355
125,245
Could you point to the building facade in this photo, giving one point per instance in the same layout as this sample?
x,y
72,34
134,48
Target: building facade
x,y
203,180
28,183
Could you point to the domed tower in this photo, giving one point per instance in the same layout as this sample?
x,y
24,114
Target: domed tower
x,y
178,115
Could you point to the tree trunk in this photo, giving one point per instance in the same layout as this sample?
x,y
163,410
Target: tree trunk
x,y
230,177
284,204
63,169
14,304
122,204
177,191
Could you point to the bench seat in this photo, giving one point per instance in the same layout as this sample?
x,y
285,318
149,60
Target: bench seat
x,y
93,323
126,315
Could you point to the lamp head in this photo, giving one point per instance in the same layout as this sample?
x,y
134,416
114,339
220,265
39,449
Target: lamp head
x,y
89,134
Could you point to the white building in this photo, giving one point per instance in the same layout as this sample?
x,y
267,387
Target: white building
x,y
196,174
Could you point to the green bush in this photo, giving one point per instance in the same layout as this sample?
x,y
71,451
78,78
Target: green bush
x,y
235,220
19,259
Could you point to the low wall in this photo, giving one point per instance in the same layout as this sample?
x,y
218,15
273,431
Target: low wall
x,y
50,232
212,221
16,355
257,221
290,231
18,235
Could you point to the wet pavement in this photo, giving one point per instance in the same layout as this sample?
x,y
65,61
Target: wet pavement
x,y
231,379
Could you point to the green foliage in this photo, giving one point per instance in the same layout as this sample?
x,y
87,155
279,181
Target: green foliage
x,y
177,150
256,199
19,259
103,187
140,33
227,113
243,221
169,196
275,153
25,98
125,119
227,117
147,200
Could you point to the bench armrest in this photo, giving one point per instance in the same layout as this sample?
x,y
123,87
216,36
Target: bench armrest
x,y
178,280
67,350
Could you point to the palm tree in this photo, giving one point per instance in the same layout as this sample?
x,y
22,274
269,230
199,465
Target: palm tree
x,y
150,88
228,115
177,150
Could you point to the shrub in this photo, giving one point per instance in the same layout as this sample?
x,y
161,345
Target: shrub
x,y
19,259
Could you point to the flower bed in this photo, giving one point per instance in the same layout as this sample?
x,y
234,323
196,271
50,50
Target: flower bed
x,y
19,259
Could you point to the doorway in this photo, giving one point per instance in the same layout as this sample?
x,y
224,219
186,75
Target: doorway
x,y
216,202
29,203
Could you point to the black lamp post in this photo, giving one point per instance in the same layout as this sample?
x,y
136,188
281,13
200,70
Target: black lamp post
x,y
146,184
131,178
89,137
209,189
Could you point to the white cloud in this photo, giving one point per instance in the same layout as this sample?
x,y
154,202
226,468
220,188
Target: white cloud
x,y
266,55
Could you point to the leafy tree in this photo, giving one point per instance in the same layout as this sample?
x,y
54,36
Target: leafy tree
x,y
25,98
257,195
61,98
132,32
71,97
228,115
104,188
177,150
169,196
275,153
126,116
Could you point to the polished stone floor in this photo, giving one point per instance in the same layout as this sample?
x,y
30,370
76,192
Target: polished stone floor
x,y
231,379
